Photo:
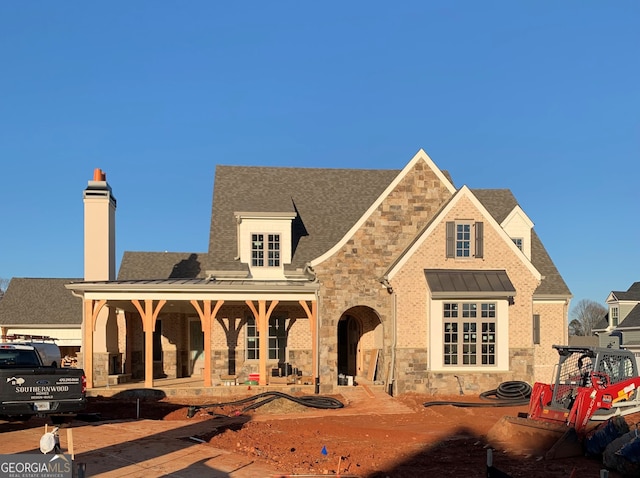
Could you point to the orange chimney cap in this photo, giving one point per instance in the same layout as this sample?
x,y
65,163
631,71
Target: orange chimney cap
x,y
99,175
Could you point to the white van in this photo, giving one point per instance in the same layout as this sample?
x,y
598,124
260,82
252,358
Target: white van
x,y
48,351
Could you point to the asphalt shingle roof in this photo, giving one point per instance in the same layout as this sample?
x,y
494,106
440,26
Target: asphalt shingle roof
x,y
632,294
499,203
328,202
36,301
632,319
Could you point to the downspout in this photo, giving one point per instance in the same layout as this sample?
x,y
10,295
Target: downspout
x,y
316,379
394,334
394,340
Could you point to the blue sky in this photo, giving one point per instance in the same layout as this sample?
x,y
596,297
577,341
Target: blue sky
x,y
540,97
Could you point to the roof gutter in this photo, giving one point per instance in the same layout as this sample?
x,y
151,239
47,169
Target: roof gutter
x,y
246,286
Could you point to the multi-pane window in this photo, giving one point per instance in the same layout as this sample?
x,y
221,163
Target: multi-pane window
x,y
463,240
469,339
517,241
614,316
271,248
253,340
277,339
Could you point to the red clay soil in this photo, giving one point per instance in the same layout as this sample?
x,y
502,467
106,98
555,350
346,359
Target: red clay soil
x,y
299,440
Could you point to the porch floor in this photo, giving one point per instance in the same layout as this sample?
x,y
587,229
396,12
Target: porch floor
x,y
194,386
188,386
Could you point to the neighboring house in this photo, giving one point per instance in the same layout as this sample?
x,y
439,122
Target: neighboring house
x,y
621,325
43,307
394,276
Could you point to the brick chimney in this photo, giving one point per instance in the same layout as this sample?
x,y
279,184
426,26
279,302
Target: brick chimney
x,y
99,229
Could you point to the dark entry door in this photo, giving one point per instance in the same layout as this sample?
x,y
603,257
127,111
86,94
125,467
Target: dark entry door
x,y
348,345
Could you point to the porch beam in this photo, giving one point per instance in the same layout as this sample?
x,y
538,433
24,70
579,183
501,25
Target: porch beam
x,y
206,318
312,315
149,315
262,315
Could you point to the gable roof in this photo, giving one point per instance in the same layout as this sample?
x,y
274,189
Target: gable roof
x,y
36,301
499,203
632,319
327,203
632,294
463,192
421,156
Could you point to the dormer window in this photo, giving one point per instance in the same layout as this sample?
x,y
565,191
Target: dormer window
x,y
265,254
517,241
265,242
614,316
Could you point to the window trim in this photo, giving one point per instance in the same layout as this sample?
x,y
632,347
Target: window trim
x,y
270,252
468,322
436,330
519,242
475,240
615,318
275,339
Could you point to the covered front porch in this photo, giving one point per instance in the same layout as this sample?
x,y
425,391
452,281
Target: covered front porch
x,y
221,310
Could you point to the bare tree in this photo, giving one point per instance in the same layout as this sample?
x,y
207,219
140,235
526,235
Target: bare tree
x,y
4,283
584,317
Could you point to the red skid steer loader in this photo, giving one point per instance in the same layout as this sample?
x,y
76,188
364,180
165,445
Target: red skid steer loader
x,y
591,385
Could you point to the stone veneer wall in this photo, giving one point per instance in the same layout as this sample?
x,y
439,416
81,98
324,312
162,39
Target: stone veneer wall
x,y
351,277
100,368
412,365
229,341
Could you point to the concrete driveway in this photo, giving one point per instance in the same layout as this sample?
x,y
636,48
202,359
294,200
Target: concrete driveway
x,y
140,448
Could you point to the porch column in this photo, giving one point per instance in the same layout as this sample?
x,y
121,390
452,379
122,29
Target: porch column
x,y
312,315
262,324
149,316
91,310
206,317
128,344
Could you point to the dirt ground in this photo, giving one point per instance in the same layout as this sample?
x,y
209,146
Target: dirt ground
x,y
300,440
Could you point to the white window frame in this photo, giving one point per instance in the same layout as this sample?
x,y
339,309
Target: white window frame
x,y
469,333
437,332
269,254
277,333
519,242
464,240
615,316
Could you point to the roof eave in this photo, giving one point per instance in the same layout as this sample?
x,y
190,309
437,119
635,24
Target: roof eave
x,y
502,295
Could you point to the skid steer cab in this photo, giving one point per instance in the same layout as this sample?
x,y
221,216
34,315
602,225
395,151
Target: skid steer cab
x,y
590,384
